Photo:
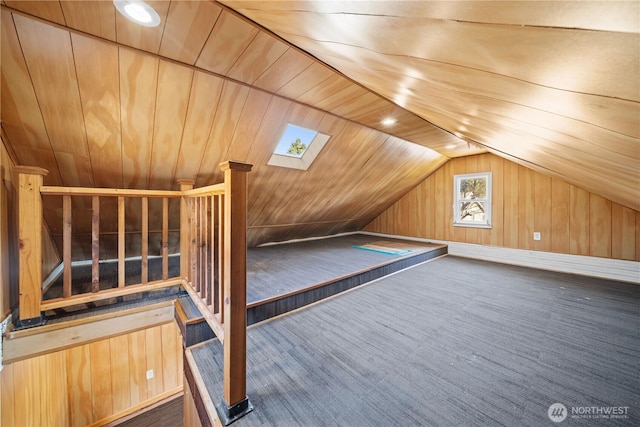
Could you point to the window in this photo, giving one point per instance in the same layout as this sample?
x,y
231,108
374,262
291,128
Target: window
x,y
298,147
472,200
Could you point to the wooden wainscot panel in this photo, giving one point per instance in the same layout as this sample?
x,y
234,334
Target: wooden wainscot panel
x,y
90,384
571,220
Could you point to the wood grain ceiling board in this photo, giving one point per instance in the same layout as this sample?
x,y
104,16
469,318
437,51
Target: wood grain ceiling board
x,y
138,85
187,28
21,116
229,38
556,87
98,83
49,58
91,17
46,9
172,100
203,104
140,37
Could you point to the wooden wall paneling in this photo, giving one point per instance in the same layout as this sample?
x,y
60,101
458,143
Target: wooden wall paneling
x,y
283,70
560,216
101,395
429,202
542,211
459,167
350,98
579,221
526,207
637,236
21,117
54,80
138,366
49,10
79,385
138,83
312,76
93,17
448,200
153,344
77,169
187,28
250,121
228,40
53,382
120,375
25,400
7,396
98,81
203,104
496,234
329,89
138,36
191,417
599,226
230,106
172,99
341,175
263,51
623,232
171,349
511,204
439,205
261,180
44,158
348,194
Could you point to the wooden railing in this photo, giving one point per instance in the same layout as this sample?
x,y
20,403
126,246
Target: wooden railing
x,y
212,257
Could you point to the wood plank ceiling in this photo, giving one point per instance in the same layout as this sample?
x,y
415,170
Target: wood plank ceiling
x,y
552,85
100,101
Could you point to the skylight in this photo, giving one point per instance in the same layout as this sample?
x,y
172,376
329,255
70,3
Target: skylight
x,y
295,141
298,147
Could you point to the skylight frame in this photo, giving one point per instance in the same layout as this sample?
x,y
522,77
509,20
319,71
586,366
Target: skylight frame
x,y
304,161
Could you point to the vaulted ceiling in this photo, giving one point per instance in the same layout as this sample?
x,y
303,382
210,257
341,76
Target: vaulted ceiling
x,y
100,101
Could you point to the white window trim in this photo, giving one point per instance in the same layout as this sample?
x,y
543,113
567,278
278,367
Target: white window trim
x,y
486,200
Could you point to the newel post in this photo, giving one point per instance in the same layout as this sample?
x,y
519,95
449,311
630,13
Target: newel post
x,y
185,229
235,403
30,244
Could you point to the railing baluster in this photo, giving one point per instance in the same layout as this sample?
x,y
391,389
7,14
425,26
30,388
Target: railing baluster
x,y
95,244
145,241
165,238
66,246
194,245
221,256
204,241
121,243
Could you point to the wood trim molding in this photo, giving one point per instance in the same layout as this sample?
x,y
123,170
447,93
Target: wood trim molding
x,y
603,268
19,346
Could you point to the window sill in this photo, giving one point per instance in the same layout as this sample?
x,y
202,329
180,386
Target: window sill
x,y
457,224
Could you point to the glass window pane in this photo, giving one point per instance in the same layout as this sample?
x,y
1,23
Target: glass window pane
x,y
475,188
472,212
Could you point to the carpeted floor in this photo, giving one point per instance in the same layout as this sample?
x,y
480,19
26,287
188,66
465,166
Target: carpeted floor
x,y
449,342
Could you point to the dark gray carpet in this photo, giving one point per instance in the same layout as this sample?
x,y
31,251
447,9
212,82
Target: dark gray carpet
x,y
451,342
279,269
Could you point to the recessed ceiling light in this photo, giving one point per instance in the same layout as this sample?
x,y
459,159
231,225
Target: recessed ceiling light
x,y
138,11
388,121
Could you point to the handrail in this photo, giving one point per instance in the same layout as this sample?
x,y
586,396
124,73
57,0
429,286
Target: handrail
x,y
213,227
202,191
115,192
